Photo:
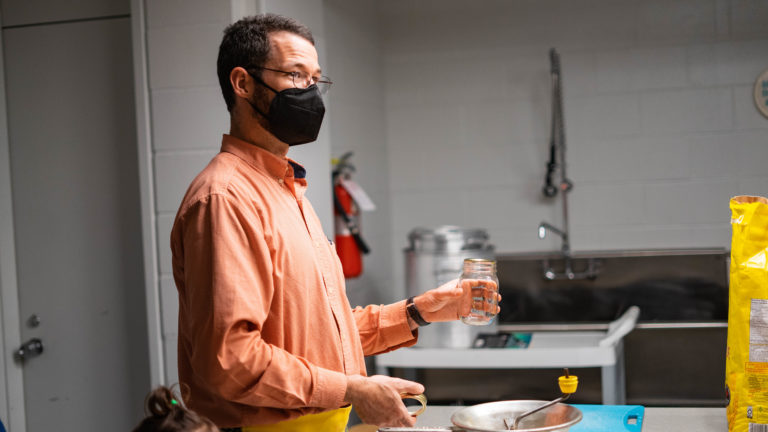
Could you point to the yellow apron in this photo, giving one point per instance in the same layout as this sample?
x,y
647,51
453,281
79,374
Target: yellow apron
x,y
330,421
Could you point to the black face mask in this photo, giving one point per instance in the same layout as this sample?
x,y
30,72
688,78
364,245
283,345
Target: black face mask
x,y
295,114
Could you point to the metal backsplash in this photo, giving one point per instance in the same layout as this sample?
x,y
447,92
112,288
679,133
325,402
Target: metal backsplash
x,y
669,286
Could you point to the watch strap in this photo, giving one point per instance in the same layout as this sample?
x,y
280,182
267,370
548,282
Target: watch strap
x,y
413,313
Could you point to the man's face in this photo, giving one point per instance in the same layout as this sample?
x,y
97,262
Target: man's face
x,y
289,52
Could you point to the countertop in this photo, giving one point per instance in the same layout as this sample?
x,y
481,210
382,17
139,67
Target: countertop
x,y
656,419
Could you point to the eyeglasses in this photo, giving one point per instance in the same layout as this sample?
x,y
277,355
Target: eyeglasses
x,y
304,80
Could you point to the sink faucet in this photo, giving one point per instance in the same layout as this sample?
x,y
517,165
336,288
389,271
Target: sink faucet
x,y
544,227
568,272
549,272
557,164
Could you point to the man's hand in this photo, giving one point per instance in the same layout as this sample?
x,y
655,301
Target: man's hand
x,y
377,399
449,301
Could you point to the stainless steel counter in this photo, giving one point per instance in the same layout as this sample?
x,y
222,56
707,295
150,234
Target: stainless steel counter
x,y
656,419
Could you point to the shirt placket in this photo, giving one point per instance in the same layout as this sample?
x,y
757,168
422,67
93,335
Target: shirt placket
x,y
334,296
322,252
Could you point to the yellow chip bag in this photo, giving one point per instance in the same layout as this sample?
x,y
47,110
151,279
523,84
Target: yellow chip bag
x,y
746,367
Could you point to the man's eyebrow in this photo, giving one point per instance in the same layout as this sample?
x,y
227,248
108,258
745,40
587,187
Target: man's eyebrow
x,y
303,66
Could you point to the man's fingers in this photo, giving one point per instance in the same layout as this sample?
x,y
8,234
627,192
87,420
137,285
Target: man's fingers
x,y
402,417
450,289
381,404
399,385
481,295
447,294
405,386
437,298
470,283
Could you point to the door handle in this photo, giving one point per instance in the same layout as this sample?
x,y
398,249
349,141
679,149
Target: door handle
x,y
30,348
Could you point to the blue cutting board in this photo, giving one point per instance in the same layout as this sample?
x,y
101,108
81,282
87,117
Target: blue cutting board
x,y
609,418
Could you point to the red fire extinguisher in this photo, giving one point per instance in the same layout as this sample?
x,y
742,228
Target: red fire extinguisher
x,y
350,245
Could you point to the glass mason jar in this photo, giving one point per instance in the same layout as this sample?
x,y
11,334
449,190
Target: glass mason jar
x,y
479,279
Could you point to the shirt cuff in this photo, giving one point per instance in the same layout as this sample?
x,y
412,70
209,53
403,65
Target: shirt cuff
x,y
330,389
394,325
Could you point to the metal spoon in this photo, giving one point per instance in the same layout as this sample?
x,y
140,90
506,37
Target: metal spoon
x,y
512,424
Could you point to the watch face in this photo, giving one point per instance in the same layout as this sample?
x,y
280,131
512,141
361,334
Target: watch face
x,y
761,93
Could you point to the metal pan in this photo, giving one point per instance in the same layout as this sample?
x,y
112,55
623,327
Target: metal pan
x,y
489,417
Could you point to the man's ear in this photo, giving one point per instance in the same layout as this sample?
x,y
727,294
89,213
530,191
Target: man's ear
x,y
242,83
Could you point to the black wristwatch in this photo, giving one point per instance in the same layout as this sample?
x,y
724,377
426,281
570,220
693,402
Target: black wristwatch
x,y
413,313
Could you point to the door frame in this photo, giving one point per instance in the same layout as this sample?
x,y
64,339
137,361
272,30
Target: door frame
x,y
12,408
147,191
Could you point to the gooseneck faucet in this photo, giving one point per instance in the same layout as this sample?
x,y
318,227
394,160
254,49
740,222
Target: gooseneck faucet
x,y
549,272
544,227
556,164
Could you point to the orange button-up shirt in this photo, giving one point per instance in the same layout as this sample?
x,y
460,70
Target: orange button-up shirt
x,y
266,332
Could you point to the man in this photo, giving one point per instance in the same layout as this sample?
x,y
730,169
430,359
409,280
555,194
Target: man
x,y
267,338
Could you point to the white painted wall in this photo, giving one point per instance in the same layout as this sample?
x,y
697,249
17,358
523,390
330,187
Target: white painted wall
x,y
660,125
358,123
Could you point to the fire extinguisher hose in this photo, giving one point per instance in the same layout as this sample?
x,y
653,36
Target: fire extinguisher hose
x,y
353,228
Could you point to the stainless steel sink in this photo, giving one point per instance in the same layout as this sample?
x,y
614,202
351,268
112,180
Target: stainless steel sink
x,y
674,357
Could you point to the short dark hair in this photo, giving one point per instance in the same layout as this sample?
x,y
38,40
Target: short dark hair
x,y
246,44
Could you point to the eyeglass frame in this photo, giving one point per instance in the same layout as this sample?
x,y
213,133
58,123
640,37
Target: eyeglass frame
x,y
295,74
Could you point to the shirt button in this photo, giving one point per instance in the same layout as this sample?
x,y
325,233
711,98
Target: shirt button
x,y
281,181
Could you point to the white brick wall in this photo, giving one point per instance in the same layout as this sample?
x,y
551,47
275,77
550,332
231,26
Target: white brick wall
x,y
660,125
187,118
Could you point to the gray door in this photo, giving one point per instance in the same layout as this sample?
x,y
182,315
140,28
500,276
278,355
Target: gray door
x,y
75,189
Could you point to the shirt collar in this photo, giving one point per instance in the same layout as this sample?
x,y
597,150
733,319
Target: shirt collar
x,y
298,171
280,167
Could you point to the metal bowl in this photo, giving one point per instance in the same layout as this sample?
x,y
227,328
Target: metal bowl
x,y
489,417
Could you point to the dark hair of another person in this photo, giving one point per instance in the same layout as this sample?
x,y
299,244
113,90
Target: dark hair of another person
x,y
246,44
166,413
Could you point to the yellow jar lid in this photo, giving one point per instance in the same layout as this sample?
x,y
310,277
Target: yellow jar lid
x,y
568,384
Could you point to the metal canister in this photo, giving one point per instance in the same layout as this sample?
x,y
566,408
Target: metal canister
x,y
434,257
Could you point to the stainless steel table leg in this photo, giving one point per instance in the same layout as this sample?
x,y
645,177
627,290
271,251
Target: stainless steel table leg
x,y
613,380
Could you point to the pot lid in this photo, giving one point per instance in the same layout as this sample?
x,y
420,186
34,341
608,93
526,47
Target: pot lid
x,y
448,238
